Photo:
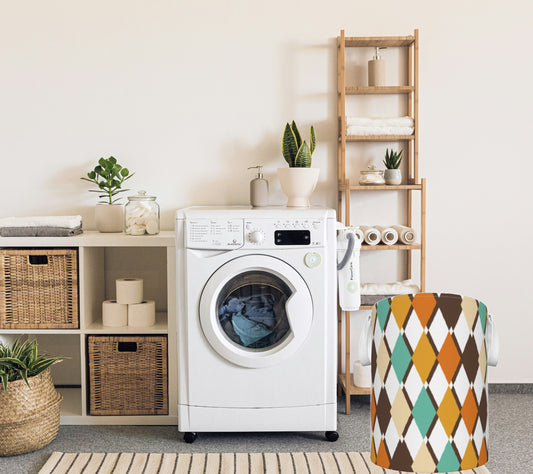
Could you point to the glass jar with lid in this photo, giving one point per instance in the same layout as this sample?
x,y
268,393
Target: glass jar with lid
x,y
141,215
372,176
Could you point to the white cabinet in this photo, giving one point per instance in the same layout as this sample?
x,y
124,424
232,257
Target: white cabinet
x,y
102,259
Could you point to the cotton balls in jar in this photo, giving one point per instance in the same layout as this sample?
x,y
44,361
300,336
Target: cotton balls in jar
x,y
141,215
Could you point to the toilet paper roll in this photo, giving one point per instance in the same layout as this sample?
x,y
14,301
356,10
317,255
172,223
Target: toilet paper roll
x,y
406,235
141,315
371,235
359,234
362,375
129,290
389,235
114,314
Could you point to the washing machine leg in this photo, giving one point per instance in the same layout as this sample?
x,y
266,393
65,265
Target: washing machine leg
x,y
189,437
332,436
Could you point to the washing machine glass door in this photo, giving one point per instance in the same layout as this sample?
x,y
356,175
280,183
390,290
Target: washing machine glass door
x,y
256,311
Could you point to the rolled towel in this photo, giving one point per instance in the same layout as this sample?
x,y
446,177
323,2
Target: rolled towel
x,y
406,235
371,235
394,288
389,236
69,222
405,121
364,131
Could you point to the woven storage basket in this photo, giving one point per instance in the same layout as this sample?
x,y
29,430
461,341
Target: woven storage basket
x,y
38,288
128,375
21,401
31,433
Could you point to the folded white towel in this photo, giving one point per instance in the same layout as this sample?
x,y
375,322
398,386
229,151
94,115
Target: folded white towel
x,y
379,130
405,121
394,288
68,222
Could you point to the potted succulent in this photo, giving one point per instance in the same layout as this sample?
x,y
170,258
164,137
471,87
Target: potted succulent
x,y
392,161
29,418
108,176
299,180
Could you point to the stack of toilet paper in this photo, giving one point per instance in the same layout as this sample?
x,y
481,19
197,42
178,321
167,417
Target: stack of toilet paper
x,y
129,309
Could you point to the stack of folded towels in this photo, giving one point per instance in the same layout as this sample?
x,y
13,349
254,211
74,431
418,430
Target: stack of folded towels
x,y
380,126
40,226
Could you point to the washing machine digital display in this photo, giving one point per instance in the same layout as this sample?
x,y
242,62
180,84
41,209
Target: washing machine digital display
x,y
292,237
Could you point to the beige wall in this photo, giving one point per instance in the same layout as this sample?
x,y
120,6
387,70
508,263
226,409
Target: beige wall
x,y
189,94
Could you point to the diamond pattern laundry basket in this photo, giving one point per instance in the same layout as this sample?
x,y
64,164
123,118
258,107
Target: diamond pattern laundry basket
x,y
429,382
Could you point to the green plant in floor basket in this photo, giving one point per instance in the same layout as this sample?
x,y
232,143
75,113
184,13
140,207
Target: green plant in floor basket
x,y
297,153
108,176
21,361
393,159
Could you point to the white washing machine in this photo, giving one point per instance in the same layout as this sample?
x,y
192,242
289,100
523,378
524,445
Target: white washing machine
x,y
257,337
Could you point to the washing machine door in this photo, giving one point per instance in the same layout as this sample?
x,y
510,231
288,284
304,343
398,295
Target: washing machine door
x,y
256,311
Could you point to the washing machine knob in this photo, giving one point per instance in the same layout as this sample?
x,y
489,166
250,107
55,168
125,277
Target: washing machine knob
x,y
256,237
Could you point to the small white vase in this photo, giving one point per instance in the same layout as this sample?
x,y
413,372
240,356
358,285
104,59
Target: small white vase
x,y
393,176
298,184
109,217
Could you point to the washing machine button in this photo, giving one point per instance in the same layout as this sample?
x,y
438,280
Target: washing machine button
x,y
256,237
312,259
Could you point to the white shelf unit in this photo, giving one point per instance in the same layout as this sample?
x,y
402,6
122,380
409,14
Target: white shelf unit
x,y
101,259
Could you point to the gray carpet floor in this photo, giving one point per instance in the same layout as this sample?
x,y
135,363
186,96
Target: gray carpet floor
x,y
510,442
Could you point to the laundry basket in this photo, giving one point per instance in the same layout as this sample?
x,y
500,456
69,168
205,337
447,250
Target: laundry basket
x,y
429,399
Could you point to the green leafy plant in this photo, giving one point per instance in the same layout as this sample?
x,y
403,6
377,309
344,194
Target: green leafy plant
x,y
297,153
392,159
108,175
21,361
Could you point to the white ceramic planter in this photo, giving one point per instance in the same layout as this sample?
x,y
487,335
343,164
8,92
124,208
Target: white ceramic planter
x,y
109,217
393,177
298,184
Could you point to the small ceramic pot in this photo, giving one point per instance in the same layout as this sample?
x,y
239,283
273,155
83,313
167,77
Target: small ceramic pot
x,y
298,184
109,217
393,177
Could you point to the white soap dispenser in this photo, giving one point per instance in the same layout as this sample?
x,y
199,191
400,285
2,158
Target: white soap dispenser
x,y
376,70
258,188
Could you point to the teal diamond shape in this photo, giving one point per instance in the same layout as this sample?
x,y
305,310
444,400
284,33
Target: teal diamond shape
x,y
400,358
482,315
448,462
383,310
423,412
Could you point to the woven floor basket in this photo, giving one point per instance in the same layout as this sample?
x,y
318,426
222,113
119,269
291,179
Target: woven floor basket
x,y
29,418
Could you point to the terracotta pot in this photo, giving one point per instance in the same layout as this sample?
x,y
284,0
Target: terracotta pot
x,y
109,217
298,184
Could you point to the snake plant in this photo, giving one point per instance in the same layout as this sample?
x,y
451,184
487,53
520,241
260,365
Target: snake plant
x,y
21,361
392,159
297,153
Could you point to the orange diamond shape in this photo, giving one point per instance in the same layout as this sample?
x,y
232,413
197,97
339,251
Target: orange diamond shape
x,y
382,459
400,307
449,358
424,357
424,304
469,411
469,460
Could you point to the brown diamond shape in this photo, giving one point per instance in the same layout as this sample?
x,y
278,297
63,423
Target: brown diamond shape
x,y
470,359
450,306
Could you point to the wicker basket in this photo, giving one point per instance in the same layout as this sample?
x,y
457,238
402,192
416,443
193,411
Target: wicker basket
x,y
29,416
38,288
31,433
128,375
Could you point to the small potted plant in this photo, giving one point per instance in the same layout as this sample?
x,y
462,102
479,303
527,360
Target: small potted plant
x,y
108,176
299,180
29,415
392,161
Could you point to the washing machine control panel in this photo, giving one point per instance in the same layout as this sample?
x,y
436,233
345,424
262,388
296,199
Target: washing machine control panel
x,y
284,233
215,233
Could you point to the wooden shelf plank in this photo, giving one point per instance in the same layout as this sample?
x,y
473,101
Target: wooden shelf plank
x,y
379,138
391,247
381,41
381,187
352,389
369,90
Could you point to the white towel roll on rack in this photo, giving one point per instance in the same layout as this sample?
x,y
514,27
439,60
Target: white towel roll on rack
x,y
389,236
406,235
371,235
